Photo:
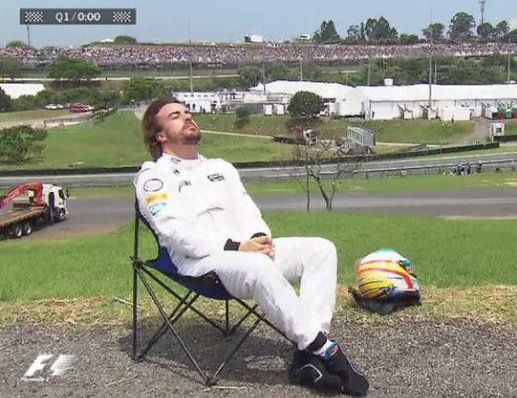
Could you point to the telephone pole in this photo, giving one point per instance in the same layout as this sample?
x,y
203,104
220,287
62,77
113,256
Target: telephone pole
x,y
482,7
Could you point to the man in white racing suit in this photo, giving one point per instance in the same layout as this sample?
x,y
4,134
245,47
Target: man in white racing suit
x,y
202,214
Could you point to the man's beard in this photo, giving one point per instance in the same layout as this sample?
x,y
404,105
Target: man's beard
x,y
192,139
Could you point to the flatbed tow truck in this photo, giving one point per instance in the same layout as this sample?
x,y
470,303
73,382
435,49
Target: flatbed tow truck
x,y
46,205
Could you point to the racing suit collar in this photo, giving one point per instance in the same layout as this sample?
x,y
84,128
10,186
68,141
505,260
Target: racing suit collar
x,y
167,159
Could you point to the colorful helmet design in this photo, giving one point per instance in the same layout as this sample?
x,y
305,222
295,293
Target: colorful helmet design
x,y
386,275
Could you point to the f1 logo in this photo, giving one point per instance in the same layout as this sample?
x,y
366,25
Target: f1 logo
x,y
59,367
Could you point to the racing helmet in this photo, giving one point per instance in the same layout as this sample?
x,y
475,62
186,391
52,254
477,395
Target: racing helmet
x,y
385,275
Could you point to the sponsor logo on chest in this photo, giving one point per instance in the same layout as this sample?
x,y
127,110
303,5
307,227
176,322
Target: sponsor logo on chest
x,y
215,177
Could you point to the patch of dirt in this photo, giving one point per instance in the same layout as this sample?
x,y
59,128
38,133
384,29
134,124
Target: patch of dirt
x,y
409,358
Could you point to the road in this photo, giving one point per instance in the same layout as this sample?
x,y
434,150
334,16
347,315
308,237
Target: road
x,y
101,215
373,169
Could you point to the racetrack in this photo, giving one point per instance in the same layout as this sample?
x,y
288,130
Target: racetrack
x,y
100,215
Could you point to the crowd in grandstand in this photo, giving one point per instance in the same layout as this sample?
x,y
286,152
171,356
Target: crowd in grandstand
x,y
110,56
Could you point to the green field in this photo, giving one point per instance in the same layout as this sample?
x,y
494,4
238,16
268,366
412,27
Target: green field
x,y
117,141
410,131
32,115
511,127
446,253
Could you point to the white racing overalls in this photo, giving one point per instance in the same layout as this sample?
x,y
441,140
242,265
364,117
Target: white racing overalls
x,y
196,207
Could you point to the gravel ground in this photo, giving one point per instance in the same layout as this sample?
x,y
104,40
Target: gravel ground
x,y
417,358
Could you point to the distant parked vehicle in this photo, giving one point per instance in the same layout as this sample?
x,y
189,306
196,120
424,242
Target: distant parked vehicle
x,y
79,108
51,107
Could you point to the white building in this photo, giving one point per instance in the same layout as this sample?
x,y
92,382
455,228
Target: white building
x,y
16,90
459,102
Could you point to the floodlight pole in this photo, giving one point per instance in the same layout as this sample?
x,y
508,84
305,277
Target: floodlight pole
x,y
28,35
190,59
369,71
301,69
509,63
430,71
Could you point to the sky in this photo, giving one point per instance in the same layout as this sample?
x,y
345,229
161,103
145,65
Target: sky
x,y
229,20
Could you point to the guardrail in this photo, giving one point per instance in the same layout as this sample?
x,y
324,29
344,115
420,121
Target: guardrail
x,y
402,171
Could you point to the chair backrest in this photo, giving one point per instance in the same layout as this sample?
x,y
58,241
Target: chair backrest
x,y
206,285
163,261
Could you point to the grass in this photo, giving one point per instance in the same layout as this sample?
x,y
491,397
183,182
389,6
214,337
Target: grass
x,y
32,114
447,254
410,131
511,127
118,141
393,184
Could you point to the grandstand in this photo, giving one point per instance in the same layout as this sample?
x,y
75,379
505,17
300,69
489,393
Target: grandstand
x,y
163,56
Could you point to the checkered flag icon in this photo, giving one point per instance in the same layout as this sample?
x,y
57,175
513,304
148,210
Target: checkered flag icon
x,y
33,16
121,16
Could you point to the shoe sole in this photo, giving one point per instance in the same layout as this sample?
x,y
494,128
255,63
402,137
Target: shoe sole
x,y
354,381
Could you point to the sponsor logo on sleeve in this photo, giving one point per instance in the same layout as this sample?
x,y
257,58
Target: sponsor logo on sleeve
x,y
156,208
215,177
156,197
153,185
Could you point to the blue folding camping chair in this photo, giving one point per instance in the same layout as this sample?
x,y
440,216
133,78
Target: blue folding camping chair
x,y
208,286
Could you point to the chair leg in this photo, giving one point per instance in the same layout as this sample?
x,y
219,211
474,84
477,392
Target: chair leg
x,y
227,331
135,313
203,375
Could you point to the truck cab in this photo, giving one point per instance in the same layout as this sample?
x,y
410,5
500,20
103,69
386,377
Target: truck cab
x,y
55,198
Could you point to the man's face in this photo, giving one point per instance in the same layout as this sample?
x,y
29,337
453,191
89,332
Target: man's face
x,y
177,126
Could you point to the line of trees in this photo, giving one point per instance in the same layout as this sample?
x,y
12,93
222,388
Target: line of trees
x,y
462,28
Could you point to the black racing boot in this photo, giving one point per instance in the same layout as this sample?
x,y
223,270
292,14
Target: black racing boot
x,y
310,371
353,379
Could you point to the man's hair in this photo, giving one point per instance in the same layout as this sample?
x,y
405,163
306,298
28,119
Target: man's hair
x,y
150,125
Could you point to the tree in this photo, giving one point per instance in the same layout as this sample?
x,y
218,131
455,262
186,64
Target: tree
x,y
511,36
6,103
486,31
356,34
408,39
305,104
501,29
123,39
460,29
16,43
72,69
327,34
379,30
250,75
25,102
242,117
140,88
10,67
313,161
278,71
20,143
434,32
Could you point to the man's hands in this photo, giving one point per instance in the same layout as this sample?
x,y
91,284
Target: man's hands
x,y
261,244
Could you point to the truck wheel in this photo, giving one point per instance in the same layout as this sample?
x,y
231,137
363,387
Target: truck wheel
x,y
61,215
26,229
16,231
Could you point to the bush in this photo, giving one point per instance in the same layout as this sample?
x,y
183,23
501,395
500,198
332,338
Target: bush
x,y
6,104
305,104
25,102
242,115
20,143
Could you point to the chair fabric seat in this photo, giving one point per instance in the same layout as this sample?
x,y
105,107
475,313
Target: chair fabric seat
x,y
206,285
